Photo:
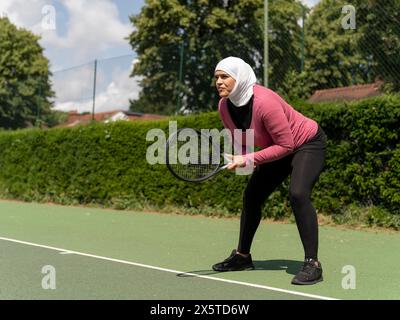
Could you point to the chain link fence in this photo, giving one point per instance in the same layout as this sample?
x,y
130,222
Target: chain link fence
x,y
98,86
353,45
341,45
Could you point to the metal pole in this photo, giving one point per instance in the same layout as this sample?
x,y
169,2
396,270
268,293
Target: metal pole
x,y
179,102
302,36
38,116
94,89
266,48
38,106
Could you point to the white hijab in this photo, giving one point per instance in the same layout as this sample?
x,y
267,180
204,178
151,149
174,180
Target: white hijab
x,y
244,76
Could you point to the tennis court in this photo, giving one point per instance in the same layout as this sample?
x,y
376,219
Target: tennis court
x,y
106,254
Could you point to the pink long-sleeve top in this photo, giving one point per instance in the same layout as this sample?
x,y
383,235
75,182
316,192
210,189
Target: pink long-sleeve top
x,y
278,128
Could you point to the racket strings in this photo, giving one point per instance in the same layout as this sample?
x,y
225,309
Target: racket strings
x,y
197,161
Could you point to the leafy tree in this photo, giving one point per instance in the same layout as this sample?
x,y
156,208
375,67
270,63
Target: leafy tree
x,y
54,118
379,24
332,59
295,86
208,30
284,41
24,78
337,57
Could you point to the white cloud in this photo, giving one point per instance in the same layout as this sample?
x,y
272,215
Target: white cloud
x,y
118,92
115,96
74,84
310,3
93,26
26,14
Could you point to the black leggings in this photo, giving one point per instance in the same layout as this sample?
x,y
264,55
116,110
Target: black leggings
x,y
304,166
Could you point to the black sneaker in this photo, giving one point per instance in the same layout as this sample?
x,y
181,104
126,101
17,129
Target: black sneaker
x,y
235,262
310,273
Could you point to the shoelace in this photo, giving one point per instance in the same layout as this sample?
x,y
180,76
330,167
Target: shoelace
x,y
309,267
231,257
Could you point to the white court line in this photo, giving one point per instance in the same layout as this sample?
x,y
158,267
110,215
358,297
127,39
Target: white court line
x,y
168,270
66,252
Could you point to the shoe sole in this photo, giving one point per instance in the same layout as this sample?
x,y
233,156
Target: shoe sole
x,y
241,269
308,282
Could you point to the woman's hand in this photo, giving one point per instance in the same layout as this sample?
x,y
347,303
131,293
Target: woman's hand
x,y
236,161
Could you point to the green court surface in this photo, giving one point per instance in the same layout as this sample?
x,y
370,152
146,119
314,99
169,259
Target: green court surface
x,y
106,254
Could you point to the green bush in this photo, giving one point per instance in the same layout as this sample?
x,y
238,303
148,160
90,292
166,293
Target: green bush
x,y
105,164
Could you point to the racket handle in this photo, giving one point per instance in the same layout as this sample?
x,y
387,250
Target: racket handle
x,y
225,166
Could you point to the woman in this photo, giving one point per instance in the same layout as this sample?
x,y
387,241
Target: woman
x,y
291,144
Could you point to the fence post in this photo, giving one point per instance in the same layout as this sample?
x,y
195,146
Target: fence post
x,y
303,13
94,89
179,101
37,124
266,49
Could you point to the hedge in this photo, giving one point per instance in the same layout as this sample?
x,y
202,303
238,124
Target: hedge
x,y
105,164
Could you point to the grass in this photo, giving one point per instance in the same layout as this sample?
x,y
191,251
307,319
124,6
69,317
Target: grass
x,y
370,218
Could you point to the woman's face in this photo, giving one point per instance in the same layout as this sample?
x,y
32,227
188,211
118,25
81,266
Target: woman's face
x,y
224,83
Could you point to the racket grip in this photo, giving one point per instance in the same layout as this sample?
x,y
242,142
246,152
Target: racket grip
x,y
225,166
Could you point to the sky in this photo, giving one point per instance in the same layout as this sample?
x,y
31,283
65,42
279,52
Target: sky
x,y
310,3
76,32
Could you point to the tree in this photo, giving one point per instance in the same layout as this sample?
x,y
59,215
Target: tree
x,y
337,57
332,59
24,78
284,41
379,23
207,31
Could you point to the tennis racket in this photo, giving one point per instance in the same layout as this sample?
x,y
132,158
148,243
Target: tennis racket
x,y
193,156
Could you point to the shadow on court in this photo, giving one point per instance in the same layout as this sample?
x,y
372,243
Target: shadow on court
x,y
289,266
